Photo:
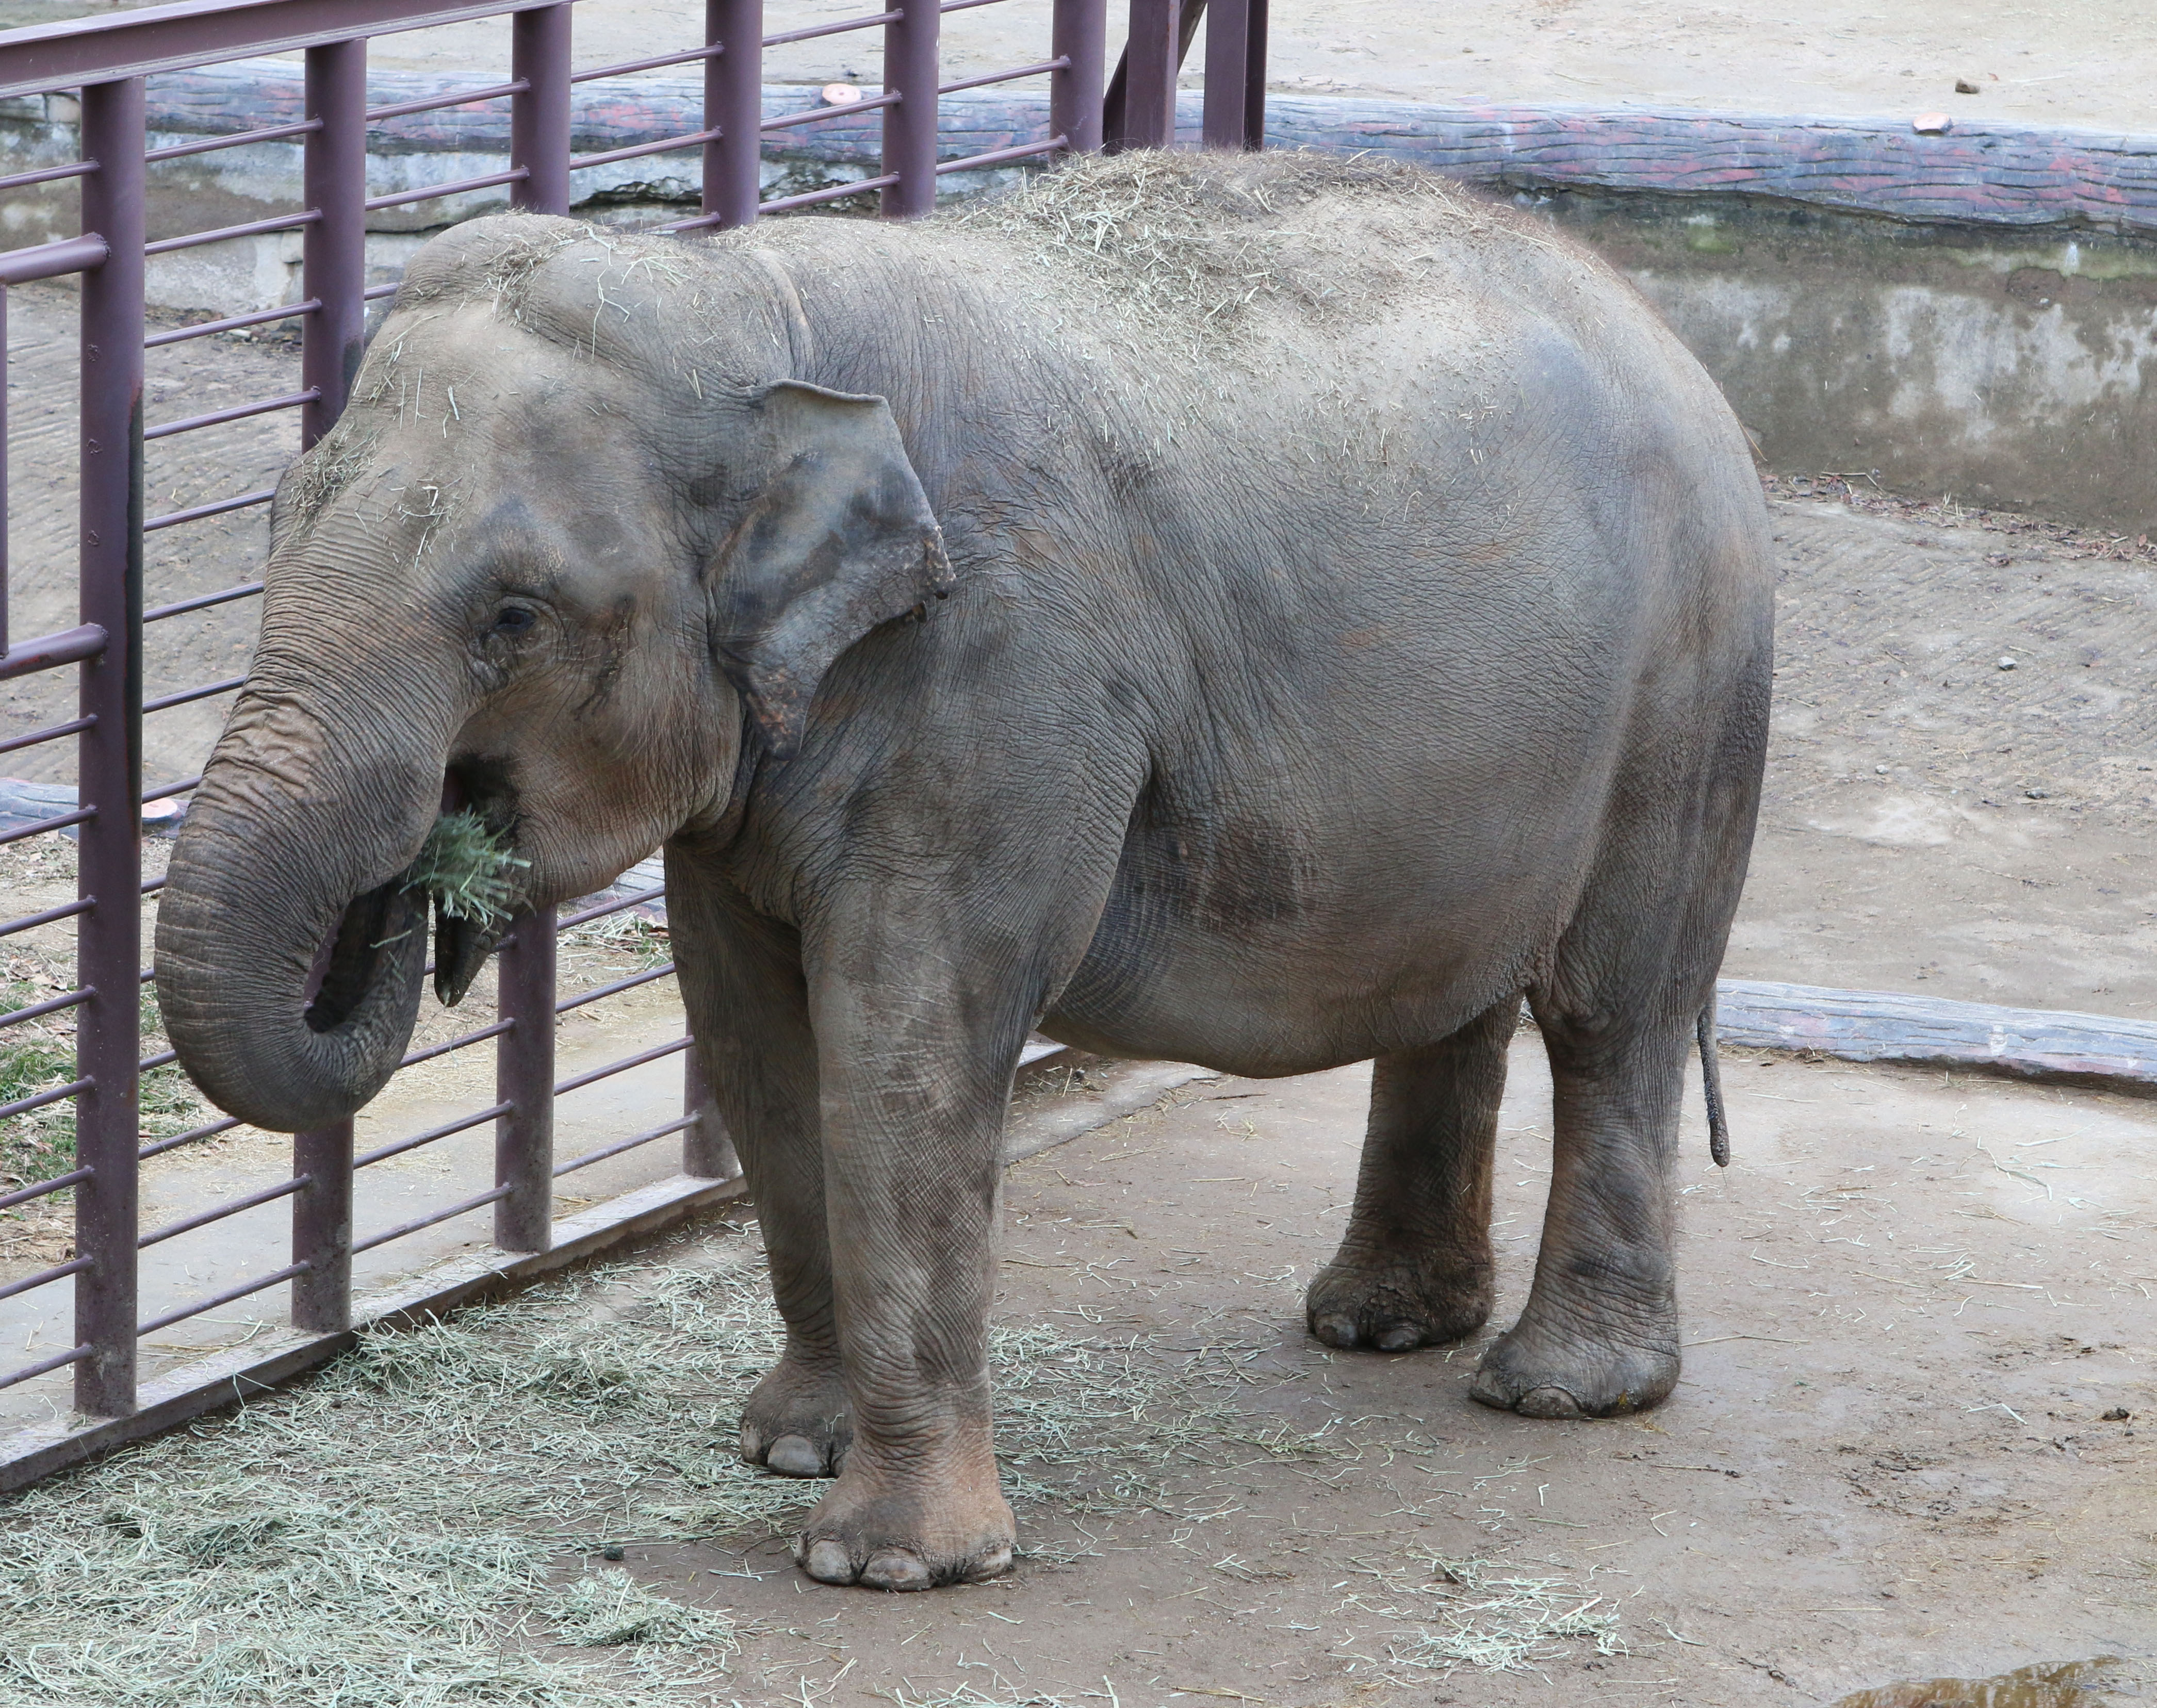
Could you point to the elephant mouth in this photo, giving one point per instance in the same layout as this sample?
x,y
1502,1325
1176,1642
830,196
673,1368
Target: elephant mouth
x,y
368,944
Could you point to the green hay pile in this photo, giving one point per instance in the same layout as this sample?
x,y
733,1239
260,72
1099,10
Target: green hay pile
x,y
414,1525
466,867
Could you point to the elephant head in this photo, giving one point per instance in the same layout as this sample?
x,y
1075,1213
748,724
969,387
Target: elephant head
x,y
579,536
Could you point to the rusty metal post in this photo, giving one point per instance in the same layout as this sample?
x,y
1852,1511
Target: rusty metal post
x,y
707,1151
539,114
1235,97
733,103
1078,32
109,944
910,71
1151,59
334,262
524,1079
322,1229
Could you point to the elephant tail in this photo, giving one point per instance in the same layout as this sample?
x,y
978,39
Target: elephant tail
x,y
1710,1079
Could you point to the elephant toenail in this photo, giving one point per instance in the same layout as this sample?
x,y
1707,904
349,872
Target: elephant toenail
x,y
1336,1331
795,1456
828,1561
1402,1337
894,1568
1548,1403
992,1564
752,1446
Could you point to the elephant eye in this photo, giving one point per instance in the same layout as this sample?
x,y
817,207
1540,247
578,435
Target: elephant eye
x,y
514,620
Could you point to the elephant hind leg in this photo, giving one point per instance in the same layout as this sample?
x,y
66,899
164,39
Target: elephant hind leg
x,y
1414,1267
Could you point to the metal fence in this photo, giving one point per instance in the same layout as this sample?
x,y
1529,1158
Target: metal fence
x,y
108,60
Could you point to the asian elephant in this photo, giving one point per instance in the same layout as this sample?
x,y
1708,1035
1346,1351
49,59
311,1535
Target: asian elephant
x,y
1268,611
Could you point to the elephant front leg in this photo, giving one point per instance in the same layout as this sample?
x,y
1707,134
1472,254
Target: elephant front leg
x,y
1414,1267
1599,1334
912,1123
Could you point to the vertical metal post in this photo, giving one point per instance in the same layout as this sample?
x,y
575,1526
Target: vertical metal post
x,y
911,72
3,468
1254,72
524,1078
1228,83
707,1151
539,114
109,942
1151,59
1078,33
733,102
334,252
322,1229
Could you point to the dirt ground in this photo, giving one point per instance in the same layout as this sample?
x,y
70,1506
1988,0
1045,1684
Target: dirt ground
x,y
2068,62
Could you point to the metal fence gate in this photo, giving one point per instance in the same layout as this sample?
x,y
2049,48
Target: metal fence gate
x,y
107,59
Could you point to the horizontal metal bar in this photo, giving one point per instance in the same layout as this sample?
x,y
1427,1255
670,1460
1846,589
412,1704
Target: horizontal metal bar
x,y
23,1195
238,139
49,260
188,423
164,1058
151,886
815,115
974,160
30,921
203,329
469,1039
599,992
966,5
23,1105
1061,61
839,28
429,1136
428,192
48,57
203,692
195,239
375,293
435,102
157,614
226,1297
629,1143
455,1210
580,163
245,500
20,180
623,1066
51,651
629,65
51,731
268,1194
171,789
51,1364
813,197
606,908
51,1006
189,1137
60,823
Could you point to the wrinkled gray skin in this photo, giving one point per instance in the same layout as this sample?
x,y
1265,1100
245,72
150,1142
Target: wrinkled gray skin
x,y
1320,675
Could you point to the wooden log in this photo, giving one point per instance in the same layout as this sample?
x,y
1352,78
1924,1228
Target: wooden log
x,y
1985,173
1886,1025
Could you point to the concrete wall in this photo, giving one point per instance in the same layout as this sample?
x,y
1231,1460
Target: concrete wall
x,y
1970,316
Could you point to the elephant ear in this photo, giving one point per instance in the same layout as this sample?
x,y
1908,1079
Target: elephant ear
x,y
840,540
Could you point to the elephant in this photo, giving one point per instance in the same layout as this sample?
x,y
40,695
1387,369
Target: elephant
x,y
1270,611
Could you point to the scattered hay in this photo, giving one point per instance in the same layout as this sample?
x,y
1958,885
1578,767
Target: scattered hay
x,y
392,1531
466,867
1468,1612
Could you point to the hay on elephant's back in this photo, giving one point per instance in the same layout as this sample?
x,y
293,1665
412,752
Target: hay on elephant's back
x,y
1186,239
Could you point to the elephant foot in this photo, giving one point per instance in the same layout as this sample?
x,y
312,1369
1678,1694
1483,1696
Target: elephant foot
x,y
1395,1307
796,1423
945,1527
1538,1374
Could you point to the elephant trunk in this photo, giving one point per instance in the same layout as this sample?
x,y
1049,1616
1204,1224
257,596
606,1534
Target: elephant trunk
x,y
289,953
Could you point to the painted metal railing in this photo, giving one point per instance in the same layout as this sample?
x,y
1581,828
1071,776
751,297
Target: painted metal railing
x,y
107,59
